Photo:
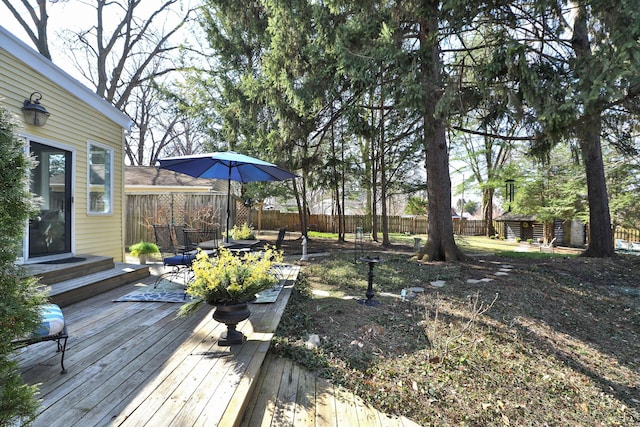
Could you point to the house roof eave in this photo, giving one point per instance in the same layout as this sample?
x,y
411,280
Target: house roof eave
x,y
35,60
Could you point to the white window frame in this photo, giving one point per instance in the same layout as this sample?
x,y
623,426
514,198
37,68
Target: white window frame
x,y
109,152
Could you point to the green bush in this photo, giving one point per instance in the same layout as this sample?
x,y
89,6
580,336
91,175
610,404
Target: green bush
x,y
243,232
19,297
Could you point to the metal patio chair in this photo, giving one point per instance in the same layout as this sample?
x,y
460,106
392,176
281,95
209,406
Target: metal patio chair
x,y
180,256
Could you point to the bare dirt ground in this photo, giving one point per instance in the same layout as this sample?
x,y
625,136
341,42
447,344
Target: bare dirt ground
x,y
545,341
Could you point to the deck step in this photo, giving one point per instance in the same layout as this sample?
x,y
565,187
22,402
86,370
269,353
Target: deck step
x,y
82,265
77,289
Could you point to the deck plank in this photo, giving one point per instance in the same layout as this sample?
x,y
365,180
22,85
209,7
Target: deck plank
x,y
220,398
264,404
325,404
284,410
305,414
367,416
120,388
238,404
136,363
345,408
154,393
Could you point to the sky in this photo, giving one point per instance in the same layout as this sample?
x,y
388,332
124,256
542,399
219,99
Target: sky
x,y
76,14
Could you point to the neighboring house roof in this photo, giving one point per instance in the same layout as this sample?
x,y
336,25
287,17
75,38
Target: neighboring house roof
x,y
150,176
35,60
508,216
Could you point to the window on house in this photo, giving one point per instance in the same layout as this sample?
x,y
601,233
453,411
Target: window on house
x,y
100,179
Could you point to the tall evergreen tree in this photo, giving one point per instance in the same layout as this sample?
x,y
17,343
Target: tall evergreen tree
x,y
573,71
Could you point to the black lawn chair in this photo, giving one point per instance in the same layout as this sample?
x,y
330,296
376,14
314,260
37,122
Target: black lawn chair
x,y
281,235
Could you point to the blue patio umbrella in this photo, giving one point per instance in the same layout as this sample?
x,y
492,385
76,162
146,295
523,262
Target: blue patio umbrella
x,y
227,165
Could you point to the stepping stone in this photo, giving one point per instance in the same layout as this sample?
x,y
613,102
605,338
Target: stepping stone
x,y
313,341
474,281
501,273
507,266
415,289
437,283
320,293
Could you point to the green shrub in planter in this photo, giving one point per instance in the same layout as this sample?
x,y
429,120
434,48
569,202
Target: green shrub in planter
x,y
142,249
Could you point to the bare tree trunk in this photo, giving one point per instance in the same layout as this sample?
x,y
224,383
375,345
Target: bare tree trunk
x,y
302,205
440,245
335,184
600,233
374,186
383,173
487,211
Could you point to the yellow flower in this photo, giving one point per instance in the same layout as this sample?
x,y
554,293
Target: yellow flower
x,y
229,278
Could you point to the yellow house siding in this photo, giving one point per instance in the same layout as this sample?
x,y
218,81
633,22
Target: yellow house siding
x,y
73,123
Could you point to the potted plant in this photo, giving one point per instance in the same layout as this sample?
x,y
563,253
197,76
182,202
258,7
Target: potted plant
x,y
142,249
229,282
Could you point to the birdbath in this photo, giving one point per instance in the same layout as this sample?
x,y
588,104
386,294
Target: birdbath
x,y
372,262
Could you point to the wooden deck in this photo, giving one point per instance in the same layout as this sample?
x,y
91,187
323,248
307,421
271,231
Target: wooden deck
x,y
288,395
137,364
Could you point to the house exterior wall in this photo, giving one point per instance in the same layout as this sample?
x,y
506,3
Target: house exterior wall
x,y
75,122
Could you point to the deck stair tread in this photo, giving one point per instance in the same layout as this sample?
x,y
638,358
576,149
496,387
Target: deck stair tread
x,y
54,273
119,269
68,283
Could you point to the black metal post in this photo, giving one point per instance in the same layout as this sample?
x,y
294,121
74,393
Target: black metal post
x,y
370,301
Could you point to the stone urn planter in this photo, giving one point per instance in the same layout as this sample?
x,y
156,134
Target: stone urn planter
x,y
231,315
229,282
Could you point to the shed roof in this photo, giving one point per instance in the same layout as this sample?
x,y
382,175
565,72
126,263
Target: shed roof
x,y
35,60
508,216
153,176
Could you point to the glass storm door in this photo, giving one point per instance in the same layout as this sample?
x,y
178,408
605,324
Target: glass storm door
x,y
50,229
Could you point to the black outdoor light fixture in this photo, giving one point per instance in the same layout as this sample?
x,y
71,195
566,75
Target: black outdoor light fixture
x,y
34,113
510,191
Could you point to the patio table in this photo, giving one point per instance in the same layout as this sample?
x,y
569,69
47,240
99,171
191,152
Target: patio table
x,y
233,245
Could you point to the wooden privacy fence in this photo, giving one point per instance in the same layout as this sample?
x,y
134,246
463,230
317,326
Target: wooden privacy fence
x,y
198,210
273,220
209,210
628,234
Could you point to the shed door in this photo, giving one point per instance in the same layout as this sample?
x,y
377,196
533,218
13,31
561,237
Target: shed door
x,y
50,229
527,231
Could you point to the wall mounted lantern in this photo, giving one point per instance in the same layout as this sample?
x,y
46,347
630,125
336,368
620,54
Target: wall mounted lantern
x,y
34,113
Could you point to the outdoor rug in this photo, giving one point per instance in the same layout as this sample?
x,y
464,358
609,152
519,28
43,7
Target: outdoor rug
x,y
173,291
166,291
287,274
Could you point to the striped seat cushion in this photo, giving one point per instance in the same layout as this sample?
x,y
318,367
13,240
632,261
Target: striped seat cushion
x,y
52,321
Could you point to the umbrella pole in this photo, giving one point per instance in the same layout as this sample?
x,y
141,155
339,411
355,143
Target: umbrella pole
x,y
228,203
